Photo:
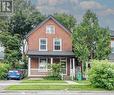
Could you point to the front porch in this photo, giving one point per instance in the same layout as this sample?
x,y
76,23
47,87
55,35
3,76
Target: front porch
x,y
38,65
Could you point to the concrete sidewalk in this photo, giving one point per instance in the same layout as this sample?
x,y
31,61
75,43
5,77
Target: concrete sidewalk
x,y
56,92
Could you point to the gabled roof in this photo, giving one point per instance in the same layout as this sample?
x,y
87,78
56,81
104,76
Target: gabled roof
x,y
49,17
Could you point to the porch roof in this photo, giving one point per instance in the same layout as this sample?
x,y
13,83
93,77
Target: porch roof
x,y
51,53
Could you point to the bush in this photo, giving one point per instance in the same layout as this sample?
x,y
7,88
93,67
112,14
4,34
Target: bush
x,y
55,72
4,68
102,74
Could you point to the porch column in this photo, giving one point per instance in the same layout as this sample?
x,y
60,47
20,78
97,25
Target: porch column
x,y
74,67
29,66
51,60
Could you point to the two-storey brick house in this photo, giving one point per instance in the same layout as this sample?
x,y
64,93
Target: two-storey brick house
x,y
50,42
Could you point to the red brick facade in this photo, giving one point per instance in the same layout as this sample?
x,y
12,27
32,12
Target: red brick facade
x,y
33,39
33,45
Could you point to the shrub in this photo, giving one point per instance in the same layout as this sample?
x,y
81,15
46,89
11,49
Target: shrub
x,y
4,68
55,72
102,74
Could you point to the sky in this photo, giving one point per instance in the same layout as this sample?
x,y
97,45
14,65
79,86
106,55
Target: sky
x,y
104,9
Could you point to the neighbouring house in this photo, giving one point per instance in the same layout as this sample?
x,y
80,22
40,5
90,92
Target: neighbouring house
x,y
111,56
50,42
1,52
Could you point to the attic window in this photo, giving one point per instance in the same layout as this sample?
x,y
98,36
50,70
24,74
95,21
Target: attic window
x,y
50,29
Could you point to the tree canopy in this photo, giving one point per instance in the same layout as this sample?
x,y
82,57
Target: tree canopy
x,y
12,47
90,41
68,21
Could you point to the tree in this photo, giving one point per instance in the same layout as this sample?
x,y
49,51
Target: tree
x,y
12,47
67,20
90,41
25,18
3,25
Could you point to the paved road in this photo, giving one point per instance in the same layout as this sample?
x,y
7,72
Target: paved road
x,y
54,93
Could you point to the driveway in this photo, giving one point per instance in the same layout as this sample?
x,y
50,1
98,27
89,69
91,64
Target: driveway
x,y
5,83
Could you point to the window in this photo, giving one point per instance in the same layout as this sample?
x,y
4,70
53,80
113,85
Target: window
x,y
50,29
112,46
57,45
43,44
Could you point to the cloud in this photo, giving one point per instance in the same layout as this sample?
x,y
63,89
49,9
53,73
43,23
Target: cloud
x,y
75,1
90,5
49,2
106,12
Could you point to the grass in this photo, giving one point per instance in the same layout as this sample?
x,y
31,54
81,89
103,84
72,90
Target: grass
x,y
85,86
43,81
54,87
85,82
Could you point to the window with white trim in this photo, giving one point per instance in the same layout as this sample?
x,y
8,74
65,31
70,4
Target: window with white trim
x,y
50,29
112,46
43,44
57,44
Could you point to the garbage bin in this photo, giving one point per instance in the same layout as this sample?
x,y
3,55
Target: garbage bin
x,y
79,76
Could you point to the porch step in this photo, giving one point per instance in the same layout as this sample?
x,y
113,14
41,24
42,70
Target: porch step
x,y
66,77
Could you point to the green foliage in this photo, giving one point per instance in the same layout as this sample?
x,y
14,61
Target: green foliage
x,y
90,41
12,47
4,70
24,19
3,25
55,72
102,74
67,20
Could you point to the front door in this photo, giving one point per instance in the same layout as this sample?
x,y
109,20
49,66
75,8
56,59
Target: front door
x,y
63,62
43,64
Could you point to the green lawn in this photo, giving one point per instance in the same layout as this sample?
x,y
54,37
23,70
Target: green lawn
x,y
43,81
84,86
54,87
86,82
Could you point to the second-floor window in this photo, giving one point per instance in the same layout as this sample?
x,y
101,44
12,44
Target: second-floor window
x,y
50,29
112,46
43,44
57,44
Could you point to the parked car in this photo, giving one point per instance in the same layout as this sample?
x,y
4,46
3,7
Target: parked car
x,y
15,74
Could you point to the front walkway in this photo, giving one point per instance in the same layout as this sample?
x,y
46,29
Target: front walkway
x,y
71,82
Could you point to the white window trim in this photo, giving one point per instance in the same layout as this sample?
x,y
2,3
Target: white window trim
x,y
47,27
54,44
40,44
66,64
